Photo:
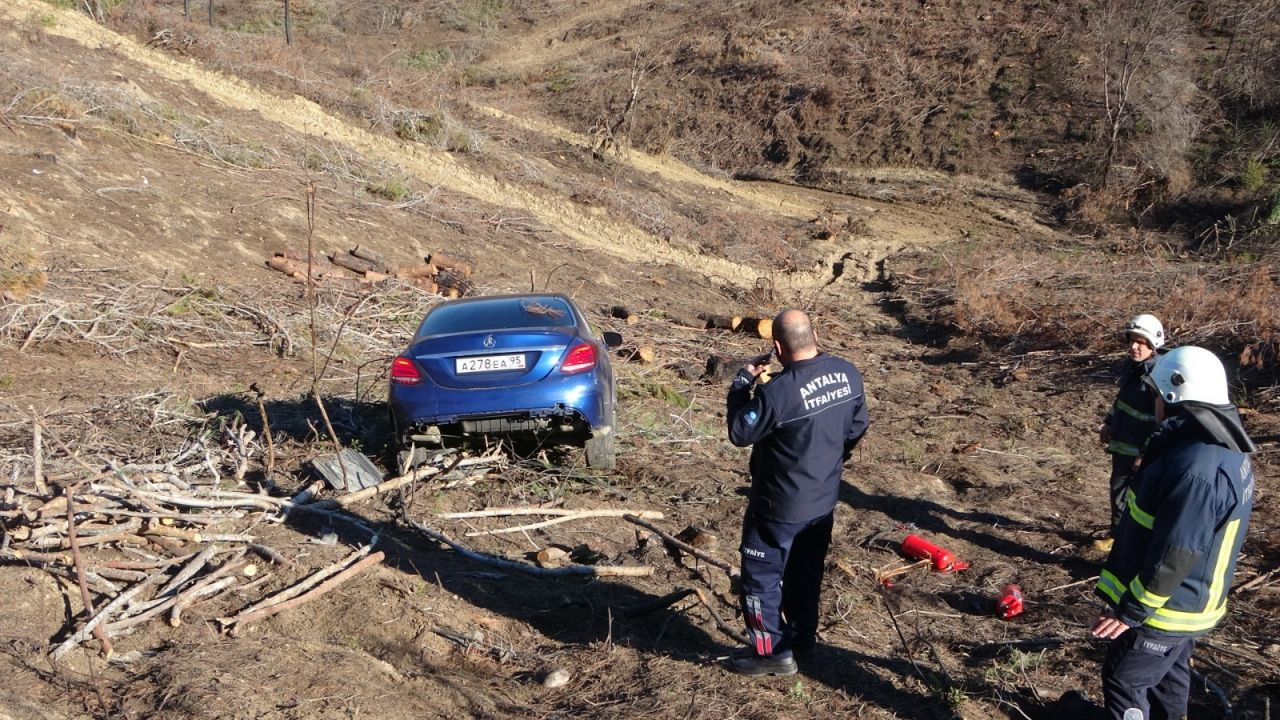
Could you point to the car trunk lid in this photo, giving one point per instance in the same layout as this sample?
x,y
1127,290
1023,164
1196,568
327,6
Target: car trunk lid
x,y
497,359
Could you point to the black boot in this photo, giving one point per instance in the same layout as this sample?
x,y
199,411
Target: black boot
x,y
752,664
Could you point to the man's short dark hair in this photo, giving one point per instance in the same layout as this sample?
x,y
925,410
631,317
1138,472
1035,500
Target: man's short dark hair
x,y
792,329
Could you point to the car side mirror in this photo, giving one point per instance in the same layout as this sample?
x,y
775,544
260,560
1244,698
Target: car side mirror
x,y
611,339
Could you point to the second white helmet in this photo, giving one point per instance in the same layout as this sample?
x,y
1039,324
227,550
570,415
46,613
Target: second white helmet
x,y
1147,326
1190,374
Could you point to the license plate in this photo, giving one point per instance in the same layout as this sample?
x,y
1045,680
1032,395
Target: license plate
x,y
489,363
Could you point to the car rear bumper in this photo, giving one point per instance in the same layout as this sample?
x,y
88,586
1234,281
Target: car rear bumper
x,y
571,405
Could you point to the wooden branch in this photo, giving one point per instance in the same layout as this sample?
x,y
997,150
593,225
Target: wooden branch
x,y
655,604
214,583
101,616
37,457
567,517
596,570
512,511
691,550
725,627
240,621
189,571
81,580
303,585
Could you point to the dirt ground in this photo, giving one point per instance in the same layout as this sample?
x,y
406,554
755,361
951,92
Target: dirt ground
x,y
142,194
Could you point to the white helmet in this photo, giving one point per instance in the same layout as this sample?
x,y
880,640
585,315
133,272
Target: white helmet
x,y
1190,373
1146,326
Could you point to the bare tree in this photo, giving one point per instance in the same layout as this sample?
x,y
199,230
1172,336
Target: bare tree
x,y
288,24
1140,75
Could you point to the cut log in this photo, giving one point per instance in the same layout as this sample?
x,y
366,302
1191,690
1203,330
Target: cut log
x,y
379,263
318,260
288,266
720,368
426,284
351,262
645,354
720,322
445,262
684,320
622,313
760,327
425,270
453,283
374,276
689,371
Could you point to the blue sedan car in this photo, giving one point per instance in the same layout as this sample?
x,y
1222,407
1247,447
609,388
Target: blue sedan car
x,y
510,365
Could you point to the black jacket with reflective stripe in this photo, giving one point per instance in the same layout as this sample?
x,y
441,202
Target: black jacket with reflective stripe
x,y
1175,549
802,425
1132,416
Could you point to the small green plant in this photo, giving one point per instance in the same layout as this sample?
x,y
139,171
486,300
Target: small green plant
x,y
394,189
48,21
1254,175
954,696
800,693
62,4
7,380
427,60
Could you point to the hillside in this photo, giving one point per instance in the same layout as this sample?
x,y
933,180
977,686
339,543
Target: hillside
x,y
152,166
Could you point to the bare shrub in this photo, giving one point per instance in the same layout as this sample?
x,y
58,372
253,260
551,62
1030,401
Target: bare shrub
x,y
1031,300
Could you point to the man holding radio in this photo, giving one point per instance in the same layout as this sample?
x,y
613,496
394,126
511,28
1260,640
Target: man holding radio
x,y
802,426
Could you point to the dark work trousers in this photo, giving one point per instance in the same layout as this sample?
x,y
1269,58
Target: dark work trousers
x,y
782,566
1149,672
1121,478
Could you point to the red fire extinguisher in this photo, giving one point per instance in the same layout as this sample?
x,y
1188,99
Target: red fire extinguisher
x,y
1010,602
942,559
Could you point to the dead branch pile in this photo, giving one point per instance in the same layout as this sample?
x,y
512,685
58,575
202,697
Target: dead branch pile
x,y
122,318
151,539
439,273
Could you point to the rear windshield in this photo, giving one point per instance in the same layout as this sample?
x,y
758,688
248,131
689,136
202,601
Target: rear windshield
x,y
498,314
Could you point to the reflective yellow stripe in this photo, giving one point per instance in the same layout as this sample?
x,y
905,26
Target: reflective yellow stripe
x,y
1177,621
1110,585
1146,598
1216,604
1133,412
1140,516
1115,447
1218,585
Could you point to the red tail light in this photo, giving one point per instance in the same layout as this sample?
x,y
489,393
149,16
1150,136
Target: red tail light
x,y
580,358
404,372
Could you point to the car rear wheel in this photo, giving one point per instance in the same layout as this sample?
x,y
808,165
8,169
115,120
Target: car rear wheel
x,y
602,451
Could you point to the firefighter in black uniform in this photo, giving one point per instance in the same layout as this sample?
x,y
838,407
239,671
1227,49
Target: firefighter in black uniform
x,y
1131,419
803,424
1167,577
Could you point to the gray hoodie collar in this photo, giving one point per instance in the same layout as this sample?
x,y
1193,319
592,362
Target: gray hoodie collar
x,y
1222,422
